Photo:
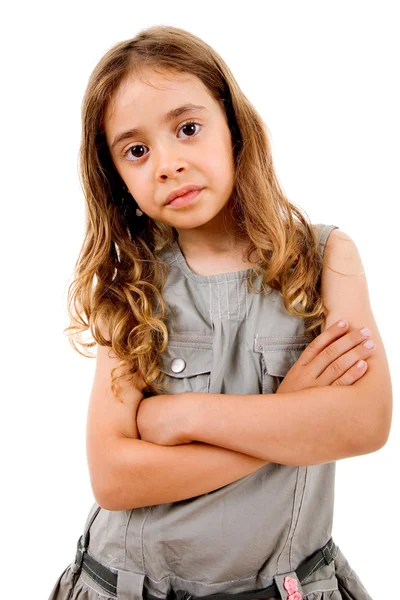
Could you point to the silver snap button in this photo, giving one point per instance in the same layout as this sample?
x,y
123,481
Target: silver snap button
x,y
261,348
178,365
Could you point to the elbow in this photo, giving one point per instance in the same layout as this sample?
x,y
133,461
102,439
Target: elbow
x,y
112,493
377,429
98,479
376,444
114,501
109,498
109,494
106,477
104,500
114,474
383,423
105,487
382,436
101,492
109,503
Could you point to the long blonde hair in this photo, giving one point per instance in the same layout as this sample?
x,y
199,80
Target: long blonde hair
x,y
119,276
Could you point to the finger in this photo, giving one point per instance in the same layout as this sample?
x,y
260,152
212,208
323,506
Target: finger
x,y
322,341
353,374
341,365
336,355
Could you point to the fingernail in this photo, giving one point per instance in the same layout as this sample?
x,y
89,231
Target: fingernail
x,y
365,331
369,344
342,324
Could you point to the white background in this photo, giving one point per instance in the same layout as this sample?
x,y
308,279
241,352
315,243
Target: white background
x,y
324,76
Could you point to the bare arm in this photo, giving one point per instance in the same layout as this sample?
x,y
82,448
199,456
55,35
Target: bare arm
x,y
317,425
307,427
127,472
140,473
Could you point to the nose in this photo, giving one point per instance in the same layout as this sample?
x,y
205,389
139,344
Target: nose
x,y
169,172
169,162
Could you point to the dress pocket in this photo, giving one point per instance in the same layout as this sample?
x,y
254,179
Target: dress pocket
x,y
187,364
278,355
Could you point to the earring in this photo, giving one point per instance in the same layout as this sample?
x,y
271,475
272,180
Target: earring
x,y
138,211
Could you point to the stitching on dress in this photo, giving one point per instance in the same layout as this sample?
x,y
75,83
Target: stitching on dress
x,y
112,568
126,533
211,315
291,521
187,345
285,349
217,281
298,516
195,338
219,301
97,591
283,337
210,585
95,580
142,540
227,296
97,575
238,300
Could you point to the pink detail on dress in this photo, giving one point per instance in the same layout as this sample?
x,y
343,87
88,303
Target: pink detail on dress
x,y
291,586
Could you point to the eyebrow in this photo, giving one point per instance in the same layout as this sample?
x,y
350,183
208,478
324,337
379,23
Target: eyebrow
x,y
172,114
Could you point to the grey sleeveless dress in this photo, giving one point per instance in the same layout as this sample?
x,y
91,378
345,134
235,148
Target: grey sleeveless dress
x,y
223,339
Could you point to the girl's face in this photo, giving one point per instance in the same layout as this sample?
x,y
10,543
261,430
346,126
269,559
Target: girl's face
x,y
156,151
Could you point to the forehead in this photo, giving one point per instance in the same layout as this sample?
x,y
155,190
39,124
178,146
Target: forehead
x,y
152,94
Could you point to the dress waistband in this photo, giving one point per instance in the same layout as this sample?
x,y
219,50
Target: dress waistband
x,y
284,584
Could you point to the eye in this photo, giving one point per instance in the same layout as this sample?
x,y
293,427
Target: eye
x,y
188,124
132,149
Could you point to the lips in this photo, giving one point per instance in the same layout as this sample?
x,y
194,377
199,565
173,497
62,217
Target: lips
x,y
186,199
181,191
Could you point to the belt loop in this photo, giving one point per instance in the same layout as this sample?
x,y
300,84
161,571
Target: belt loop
x,y
330,551
88,525
83,541
327,555
130,585
80,550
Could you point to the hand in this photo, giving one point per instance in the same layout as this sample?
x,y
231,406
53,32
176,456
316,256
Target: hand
x,y
330,359
164,419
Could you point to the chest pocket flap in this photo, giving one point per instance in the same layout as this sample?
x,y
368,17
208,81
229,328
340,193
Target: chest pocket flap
x,y
278,355
187,364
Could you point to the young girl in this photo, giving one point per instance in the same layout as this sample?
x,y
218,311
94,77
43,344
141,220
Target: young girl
x,y
225,386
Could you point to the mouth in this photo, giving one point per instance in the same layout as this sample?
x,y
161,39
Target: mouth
x,y
185,199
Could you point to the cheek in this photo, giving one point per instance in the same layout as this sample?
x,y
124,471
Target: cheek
x,y
218,160
140,188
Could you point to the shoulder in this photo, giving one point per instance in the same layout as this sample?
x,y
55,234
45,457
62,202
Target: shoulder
x,y
341,255
343,282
